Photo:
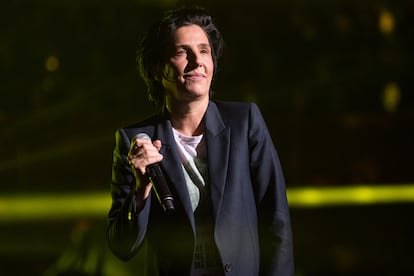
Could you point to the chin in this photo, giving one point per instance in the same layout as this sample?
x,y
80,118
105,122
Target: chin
x,y
198,89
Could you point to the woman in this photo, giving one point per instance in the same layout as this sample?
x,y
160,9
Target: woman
x,y
231,215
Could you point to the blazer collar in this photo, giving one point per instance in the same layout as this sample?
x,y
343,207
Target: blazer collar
x,y
217,136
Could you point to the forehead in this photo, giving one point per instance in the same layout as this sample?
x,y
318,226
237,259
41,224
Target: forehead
x,y
191,34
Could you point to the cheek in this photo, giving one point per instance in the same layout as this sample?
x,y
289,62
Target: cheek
x,y
209,62
211,68
174,70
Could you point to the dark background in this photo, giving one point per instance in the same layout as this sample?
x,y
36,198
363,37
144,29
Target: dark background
x,y
321,71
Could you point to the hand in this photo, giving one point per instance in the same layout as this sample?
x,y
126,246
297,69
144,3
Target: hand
x,y
141,154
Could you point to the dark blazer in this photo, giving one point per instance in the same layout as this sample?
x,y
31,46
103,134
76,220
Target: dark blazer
x,y
251,218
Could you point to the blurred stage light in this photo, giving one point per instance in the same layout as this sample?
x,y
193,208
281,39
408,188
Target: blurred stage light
x,y
19,208
52,64
353,195
53,206
391,97
386,22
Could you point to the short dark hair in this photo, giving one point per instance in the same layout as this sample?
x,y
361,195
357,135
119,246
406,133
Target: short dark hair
x,y
152,50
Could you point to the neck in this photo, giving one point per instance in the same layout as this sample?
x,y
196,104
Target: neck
x,y
188,118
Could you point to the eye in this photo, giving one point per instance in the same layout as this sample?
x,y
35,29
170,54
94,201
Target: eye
x,y
180,52
205,51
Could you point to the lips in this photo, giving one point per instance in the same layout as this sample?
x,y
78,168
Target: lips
x,y
194,76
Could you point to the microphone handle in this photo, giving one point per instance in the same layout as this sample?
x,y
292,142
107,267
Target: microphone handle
x,y
161,188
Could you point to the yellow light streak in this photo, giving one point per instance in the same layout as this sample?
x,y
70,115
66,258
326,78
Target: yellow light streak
x,y
65,206
17,208
354,195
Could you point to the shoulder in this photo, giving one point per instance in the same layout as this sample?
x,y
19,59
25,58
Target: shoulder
x,y
147,121
234,107
146,125
237,110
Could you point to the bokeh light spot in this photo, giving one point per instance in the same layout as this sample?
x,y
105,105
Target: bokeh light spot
x,y
391,97
386,22
52,64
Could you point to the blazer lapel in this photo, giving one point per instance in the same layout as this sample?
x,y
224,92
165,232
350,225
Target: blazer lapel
x,y
218,144
172,166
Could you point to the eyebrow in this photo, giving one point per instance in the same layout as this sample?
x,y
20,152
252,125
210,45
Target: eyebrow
x,y
201,45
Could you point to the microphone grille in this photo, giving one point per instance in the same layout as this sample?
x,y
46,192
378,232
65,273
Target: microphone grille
x,y
143,136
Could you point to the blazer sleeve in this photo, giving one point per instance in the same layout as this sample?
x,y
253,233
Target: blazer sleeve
x,y
276,246
126,228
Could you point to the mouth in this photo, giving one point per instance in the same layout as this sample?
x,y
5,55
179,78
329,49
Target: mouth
x,y
194,76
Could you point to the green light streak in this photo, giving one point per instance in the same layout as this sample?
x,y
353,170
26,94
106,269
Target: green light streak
x,y
66,206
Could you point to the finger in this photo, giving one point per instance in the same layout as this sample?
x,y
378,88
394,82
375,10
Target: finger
x,y
134,147
137,145
136,164
157,144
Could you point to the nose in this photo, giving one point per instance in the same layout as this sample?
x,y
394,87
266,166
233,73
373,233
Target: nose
x,y
198,60
195,60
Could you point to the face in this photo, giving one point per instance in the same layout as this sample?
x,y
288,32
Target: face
x,y
189,70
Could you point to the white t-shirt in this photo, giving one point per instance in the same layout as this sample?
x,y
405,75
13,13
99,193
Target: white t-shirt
x,y
192,151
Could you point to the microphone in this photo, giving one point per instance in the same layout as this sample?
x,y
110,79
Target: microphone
x,y
159,184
